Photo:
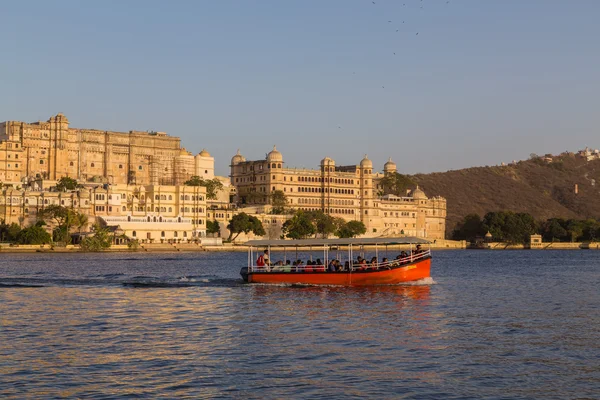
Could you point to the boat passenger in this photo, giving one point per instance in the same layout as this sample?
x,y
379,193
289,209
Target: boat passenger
x,y
331,267
374,262
418,250
347,266
319,262
363,265
261,260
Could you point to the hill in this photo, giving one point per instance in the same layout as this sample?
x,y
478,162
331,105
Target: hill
x,y
535,186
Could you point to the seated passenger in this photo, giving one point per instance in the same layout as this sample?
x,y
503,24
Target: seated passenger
x,y
347,266
363,265
374,262
331,266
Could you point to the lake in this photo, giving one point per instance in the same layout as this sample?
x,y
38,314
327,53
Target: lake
x,y
492,324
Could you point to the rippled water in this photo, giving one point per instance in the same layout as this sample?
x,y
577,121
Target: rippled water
x,y
514,325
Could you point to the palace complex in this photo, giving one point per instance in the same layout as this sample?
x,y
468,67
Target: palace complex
x,y
352,192
51,150
133,182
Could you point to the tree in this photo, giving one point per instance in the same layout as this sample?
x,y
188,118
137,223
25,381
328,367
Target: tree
x,y
574,229
65,183
63,219
101,240
553,230
80,221
325,224
244,223
213,227
351,229
35,234
300,226
470,227
279,202
213,186
396,184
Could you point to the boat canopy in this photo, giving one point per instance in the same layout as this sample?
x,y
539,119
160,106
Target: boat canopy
x,y
337,242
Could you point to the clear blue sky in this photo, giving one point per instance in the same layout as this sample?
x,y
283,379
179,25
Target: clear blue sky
x,y
482,82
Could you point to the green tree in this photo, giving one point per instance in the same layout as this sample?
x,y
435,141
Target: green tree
x,y
351,229
244,223
396,184
35,234
80,221
553,230
101,240
63,219
300,226
65,183
213,227
325,224
574,229
279,202
213,186
470,228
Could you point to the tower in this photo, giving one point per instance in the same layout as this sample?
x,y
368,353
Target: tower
x,y
58,156
366,190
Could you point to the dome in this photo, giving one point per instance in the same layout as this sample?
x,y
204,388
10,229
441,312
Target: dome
x,y
366,163
418,193
238,158
274,155
327,161
488,235
183,152
389,165
204,153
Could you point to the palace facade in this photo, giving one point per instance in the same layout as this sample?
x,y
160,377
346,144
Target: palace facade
x,y
147,213
51,150
351,192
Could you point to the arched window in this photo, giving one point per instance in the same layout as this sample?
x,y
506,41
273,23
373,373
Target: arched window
x,y
170,209
129,219
92,165
148,219
162,234
170,197
175,234
134,234
120,166
185,234
160,219
274,165
278,165
124,209
140,167
71,164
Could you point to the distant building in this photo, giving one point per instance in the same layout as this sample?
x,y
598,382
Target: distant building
x,y
51,150
351,192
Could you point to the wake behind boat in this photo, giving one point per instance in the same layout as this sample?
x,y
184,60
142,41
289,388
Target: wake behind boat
x,y
410,267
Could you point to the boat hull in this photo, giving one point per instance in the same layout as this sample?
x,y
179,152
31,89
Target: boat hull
x,y
405,273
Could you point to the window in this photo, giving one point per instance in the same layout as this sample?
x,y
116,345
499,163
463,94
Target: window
x,y
71,164
175,234
41,162
134,234
140,167
120,166
162,234
92,165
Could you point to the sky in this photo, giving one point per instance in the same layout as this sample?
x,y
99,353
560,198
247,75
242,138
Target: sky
x,y
444,85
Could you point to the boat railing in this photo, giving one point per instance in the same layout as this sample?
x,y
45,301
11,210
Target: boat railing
x,y
355,267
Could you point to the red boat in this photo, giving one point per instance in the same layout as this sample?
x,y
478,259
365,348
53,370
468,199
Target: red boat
x,y
414,266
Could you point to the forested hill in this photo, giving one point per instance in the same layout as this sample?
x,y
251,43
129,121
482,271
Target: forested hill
x,y
540,188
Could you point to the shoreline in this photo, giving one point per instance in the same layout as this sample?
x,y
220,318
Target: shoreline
x,y
193,248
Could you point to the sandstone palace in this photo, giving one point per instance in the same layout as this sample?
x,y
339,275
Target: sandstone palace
x,y
51,150
134,182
